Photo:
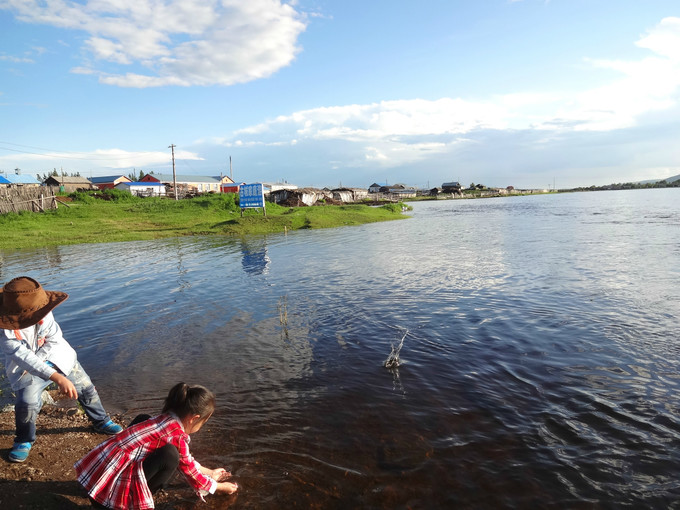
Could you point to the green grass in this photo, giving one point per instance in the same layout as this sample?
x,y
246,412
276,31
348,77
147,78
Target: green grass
x,y
127,218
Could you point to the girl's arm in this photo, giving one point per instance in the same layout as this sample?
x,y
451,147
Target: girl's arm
x,y
197,476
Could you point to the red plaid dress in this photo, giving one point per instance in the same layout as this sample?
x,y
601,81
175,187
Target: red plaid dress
x,y
112,472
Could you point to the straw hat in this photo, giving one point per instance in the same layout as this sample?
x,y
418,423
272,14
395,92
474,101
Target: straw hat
x,y
23,303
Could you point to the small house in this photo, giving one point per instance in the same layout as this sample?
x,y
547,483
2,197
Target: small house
x,y
109,181
230,187
270,187
451,187
402,190
19,179
142,189
68,183
188,183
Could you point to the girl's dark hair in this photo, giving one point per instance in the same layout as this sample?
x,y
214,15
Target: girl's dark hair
x,y
185,400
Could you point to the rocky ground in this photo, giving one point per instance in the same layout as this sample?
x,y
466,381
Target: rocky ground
x,y
46,481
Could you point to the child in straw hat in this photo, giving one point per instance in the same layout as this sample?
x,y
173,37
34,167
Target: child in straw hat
x,y
36,354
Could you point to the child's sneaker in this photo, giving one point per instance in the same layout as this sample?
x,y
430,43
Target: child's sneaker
x,y
109,427
19,452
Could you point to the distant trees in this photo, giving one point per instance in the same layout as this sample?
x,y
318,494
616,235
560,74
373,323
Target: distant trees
x,y
56,173
44,177
135,178
632,185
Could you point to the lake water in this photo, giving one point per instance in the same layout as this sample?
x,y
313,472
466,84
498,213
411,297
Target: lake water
x,y
539,369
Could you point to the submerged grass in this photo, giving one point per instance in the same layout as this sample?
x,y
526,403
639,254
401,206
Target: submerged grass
x,y
127,218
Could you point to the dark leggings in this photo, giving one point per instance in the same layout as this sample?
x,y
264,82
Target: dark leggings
x,y
159,466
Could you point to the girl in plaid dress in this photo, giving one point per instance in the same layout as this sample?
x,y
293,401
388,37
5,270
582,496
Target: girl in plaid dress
x,y
124,471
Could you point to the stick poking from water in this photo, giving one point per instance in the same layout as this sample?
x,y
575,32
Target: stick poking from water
x,y
393,360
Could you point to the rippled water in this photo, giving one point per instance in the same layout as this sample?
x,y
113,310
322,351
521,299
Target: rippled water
x,y
539,368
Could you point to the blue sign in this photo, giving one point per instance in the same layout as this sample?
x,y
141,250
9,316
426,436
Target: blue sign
x,y
251,195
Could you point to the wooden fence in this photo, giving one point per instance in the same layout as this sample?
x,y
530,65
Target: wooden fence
x,y
24,198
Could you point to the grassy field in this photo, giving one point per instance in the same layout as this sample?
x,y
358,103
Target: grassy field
x,y
128,218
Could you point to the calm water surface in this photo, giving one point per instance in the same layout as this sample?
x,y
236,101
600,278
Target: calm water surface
x,y
539,368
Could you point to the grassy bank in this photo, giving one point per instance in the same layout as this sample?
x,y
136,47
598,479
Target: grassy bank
x,y
127,218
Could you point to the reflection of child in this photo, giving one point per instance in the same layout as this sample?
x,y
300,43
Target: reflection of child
x,y
36,354
125,470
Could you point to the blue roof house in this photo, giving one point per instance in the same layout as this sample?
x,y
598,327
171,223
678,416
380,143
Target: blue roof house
x,y
21,179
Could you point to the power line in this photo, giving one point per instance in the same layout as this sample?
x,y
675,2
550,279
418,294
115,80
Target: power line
x,y
39,148
59,154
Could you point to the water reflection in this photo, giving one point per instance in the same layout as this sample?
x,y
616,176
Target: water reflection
x,y
183,282
255,259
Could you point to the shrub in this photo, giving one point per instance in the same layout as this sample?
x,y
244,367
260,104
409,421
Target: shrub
x,y
396,207
118,195
81,196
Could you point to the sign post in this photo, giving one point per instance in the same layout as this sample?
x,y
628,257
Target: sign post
x,y
251,196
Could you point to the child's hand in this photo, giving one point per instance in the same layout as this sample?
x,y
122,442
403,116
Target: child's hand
x,y
220,474
65,385
227,487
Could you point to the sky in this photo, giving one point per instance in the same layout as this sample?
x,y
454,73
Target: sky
x,y
523,93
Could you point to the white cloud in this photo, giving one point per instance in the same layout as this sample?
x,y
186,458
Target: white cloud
x,y
386,119
393,132
176,42
397,133
374,154
16,60
646,85
664,39
108,158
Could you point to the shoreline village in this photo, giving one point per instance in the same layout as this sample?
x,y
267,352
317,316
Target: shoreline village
x,y
65,210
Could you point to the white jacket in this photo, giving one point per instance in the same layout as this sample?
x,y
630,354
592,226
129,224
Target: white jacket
x,y
27,351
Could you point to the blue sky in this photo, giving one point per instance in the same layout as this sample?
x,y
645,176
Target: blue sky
x,y
528,93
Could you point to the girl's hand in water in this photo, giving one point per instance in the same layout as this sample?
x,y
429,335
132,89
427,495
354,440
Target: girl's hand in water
x,y
219,474
227,487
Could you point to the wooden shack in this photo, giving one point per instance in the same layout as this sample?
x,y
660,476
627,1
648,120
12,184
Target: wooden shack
x,y
349,195
68,183
299,197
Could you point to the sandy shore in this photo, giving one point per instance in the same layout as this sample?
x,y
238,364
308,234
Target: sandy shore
x,y
46,481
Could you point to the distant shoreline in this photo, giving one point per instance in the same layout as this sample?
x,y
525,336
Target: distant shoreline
x,y
127,218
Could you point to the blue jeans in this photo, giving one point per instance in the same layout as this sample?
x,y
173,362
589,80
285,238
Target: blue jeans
x,y
29,402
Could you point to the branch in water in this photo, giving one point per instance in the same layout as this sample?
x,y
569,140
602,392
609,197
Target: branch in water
x,y
392,360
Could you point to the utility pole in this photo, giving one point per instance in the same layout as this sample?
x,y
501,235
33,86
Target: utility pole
x,y
231,173
174,177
